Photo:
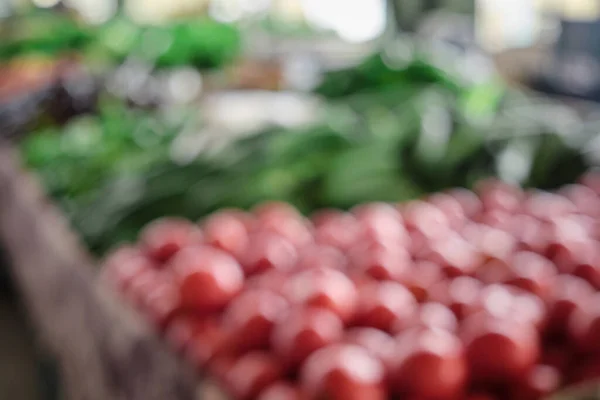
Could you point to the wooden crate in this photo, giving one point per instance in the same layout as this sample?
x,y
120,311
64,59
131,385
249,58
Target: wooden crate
x,y
103,350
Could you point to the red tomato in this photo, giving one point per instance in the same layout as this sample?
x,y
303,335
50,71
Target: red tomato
x,y
433,316
282,391
492,243
208,278
385,306
456,256
429,364
340,230
497,195
587,264
268,251
568,294
584,325
585,370
451,207
161,303
326,288
343,372
468,200
424,276
303,331
122,267
208,347
163,238
591,180
540,383
143,283
251,373
495,271
321,256
227,231
461,295
426,219
499,350
584,198
381,223
380,262
532,273
250,318
284,220
532,235
377,342
546,205
506,302
273,281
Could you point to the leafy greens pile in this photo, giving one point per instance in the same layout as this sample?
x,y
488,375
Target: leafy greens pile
x,y
387,135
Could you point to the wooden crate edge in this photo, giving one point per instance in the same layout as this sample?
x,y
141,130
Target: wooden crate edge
x,y
104,351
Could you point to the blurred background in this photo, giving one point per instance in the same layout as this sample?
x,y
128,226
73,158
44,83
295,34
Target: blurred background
x,y
130,110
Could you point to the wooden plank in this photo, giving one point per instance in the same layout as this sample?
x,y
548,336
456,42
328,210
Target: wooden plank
x,y
104,351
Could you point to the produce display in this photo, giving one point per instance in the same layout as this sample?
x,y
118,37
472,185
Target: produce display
x,y
489,294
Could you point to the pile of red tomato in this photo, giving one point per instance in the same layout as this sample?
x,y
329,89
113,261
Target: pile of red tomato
x,y
480,296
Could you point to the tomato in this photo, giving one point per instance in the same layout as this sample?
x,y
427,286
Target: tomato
x,y
426,219
285,221
381,223
585,199
381,262
469,202
456,256
429,364
591,180
208,346
340,230
532,273
532,235
451,207
161,303
143,283
584,325
250,318
273,281
546,206
423,277
343,372
268,251
492,243
495,271
163,238
385,306
251,373
541,382
506,302
461,295
568,294
227,231
499,350
587,264
282,391
208,278
377,342
122,267
303,331
433,316
326,288
497,195
321,256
